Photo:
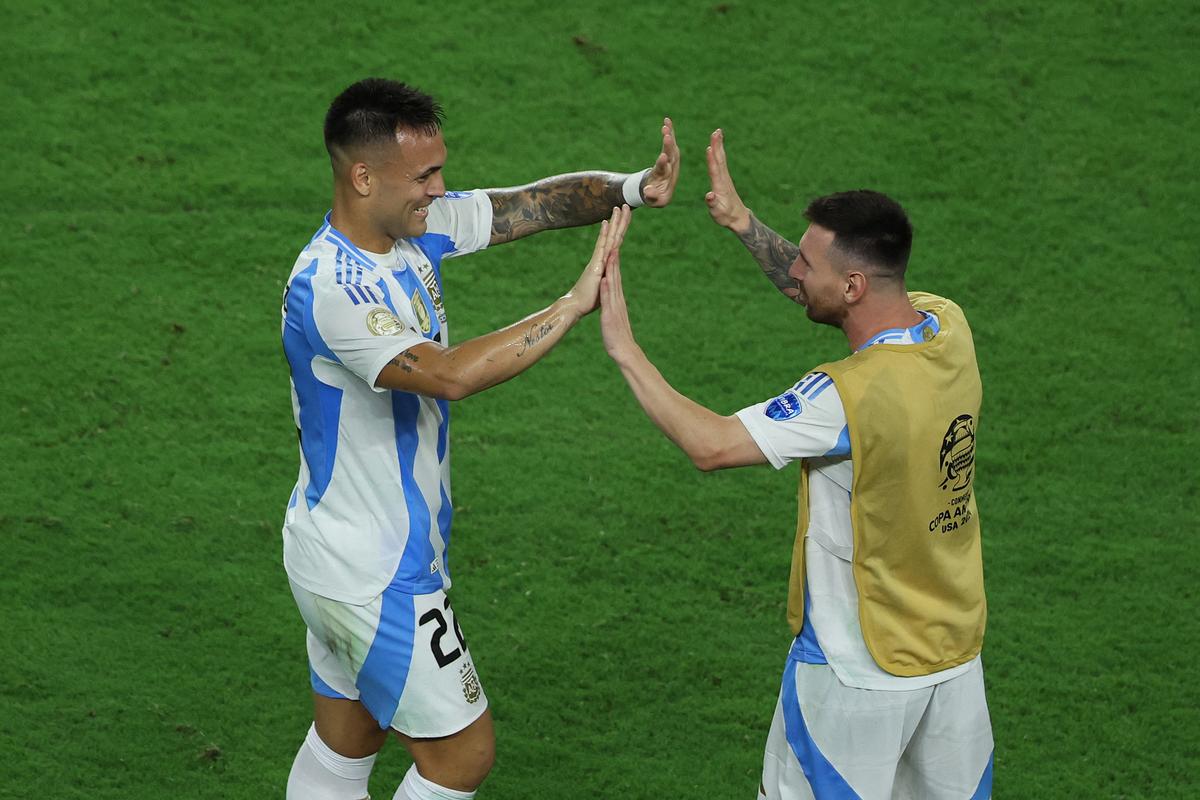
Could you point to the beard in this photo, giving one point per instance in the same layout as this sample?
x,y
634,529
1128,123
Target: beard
x,y
822,315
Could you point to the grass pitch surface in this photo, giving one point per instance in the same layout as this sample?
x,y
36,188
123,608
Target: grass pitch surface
x,y
162,166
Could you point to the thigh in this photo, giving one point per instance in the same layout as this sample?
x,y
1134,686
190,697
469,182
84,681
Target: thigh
x,y
403,656
950,754
829,741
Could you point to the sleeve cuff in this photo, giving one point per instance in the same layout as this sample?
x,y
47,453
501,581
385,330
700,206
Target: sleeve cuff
x,y
387,356
486,216
749,419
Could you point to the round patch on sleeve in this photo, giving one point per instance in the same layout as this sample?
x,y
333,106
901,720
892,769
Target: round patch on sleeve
x,y
382,322
786,406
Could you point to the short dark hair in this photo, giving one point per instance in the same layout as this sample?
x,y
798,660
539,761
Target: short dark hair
x,y
867,225
373,109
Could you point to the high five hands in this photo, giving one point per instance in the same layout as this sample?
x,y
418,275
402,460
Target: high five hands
x,y
614,316
725,207
585,293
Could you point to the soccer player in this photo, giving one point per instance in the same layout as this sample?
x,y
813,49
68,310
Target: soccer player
x,y
882,693
368,525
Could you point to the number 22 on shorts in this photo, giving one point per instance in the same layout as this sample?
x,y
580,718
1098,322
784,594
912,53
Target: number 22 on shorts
x,y
435,643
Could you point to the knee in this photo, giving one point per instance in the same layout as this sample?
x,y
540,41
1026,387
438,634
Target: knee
x,y
460,762
477,762
464,772
474,752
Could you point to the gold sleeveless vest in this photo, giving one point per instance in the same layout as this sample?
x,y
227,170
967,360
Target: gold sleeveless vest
x,y
912,411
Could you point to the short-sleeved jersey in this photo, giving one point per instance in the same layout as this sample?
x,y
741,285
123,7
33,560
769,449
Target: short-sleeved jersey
x,y
808,421
371,507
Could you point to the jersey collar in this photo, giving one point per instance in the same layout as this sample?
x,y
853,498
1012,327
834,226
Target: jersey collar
x,y
923,331
332,234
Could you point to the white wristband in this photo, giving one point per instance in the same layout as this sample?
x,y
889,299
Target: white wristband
x,y
632,189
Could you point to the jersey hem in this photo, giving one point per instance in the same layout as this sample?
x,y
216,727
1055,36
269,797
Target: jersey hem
x,y
896,683
332,592
317,587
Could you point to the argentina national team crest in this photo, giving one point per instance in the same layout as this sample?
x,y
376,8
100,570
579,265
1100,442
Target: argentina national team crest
x,y
418,307
786,406
470,682
435,294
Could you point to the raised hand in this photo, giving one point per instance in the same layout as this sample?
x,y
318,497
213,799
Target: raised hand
x,y
614,315
585,293
660,183
724,205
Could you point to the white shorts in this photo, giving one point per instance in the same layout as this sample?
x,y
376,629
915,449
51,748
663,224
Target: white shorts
x,y
829,741
402,655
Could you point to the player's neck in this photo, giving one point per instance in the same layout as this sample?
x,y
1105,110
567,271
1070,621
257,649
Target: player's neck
x,y
357,226
874,315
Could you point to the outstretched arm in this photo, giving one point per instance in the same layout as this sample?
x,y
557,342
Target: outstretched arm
x,y
581,198
456,372
709,440
773,253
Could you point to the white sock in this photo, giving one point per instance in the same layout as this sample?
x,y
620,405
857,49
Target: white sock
x,y
318,773
414,787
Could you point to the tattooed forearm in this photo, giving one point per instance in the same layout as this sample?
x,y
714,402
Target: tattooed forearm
x,y
773,253
563,201
536,333
402,360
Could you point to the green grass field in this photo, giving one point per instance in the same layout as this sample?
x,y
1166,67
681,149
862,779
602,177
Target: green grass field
x,y
162,166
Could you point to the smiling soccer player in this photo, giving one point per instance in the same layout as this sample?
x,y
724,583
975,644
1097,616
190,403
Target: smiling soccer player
x,y
373,368
882,694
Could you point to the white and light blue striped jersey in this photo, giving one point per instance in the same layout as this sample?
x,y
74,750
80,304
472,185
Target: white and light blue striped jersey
x,y
808,421
371,507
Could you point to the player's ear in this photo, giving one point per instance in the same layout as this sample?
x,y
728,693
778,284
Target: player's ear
x,y
361,178
855,286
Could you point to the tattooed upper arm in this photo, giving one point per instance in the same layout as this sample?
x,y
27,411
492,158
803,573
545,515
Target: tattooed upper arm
x,y
562,201
774,254
402,360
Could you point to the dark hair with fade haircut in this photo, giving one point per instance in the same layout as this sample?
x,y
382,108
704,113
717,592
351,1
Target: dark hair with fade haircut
x,y
373,109
867,225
